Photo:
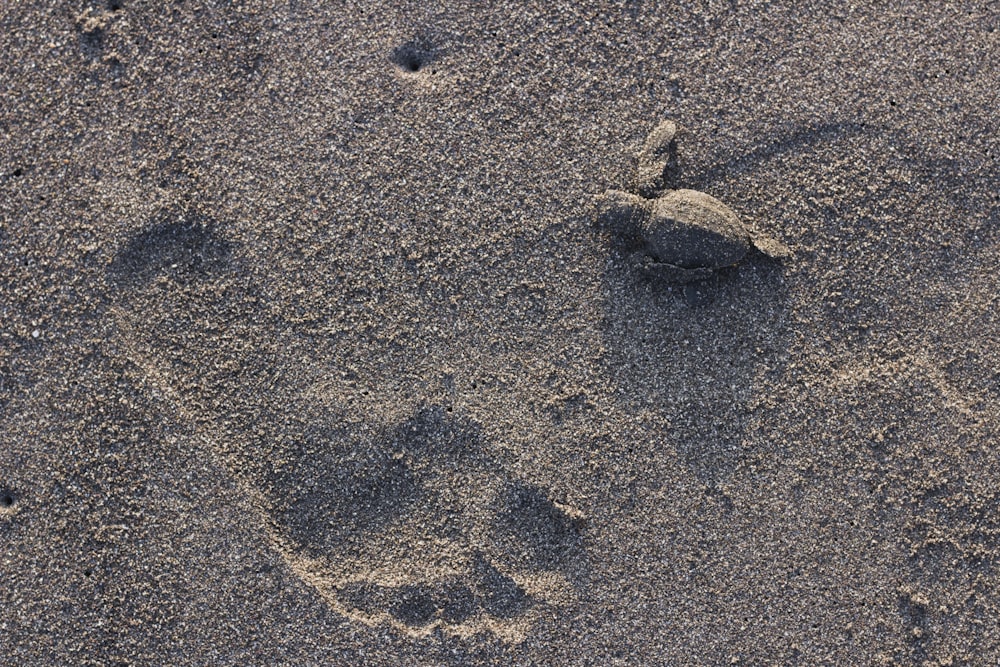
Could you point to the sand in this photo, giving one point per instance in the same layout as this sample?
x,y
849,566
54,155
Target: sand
x,y
312,352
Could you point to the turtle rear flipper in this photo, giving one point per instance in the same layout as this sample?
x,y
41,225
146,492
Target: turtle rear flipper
x,y
622,212
770,246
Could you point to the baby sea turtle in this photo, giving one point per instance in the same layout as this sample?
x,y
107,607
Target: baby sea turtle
x,y
686,234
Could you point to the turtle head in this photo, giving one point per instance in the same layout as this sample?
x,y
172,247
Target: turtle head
x,y
621,212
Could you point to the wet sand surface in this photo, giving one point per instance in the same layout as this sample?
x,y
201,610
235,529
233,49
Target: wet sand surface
x,y
313,353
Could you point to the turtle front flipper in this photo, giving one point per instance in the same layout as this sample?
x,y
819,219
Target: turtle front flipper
x,y
769,246
622,212
657,157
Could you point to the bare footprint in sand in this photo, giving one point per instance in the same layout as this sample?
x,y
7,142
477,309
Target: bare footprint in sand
x,y
419,527
411,523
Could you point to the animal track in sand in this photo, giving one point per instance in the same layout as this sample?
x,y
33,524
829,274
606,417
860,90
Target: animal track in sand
x,y
927,458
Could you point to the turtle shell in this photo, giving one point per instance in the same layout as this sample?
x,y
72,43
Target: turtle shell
x,y
692,230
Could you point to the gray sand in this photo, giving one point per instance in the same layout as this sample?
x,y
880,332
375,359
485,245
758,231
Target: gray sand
x,y
312,352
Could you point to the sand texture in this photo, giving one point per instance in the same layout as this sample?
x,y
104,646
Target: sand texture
x,y
314,349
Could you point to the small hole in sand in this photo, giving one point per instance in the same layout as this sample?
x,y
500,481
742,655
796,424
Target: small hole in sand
x,y
410,63
411,58
115,5
6,500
